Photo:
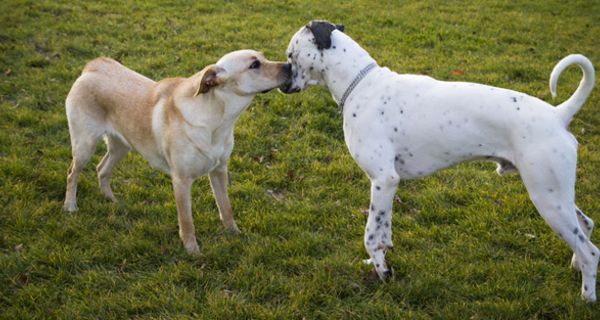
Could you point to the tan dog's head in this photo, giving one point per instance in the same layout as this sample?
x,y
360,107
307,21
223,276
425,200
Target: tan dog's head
x,y
244,73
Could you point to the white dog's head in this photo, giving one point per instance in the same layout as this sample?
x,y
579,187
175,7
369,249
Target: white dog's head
x,y
305,54
245,73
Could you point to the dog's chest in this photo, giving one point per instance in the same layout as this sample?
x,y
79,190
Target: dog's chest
x,y
204,149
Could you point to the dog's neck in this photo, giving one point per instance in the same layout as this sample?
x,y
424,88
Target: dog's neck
x,y
225,107
345,60
234,104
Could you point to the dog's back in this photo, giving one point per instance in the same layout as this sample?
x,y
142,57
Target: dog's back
x,y
111,85
106,95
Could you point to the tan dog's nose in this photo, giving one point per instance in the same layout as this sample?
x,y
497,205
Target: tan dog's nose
x,y
288,69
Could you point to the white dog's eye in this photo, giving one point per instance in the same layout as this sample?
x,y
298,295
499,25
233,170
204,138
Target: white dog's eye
x,y
255,64
289,55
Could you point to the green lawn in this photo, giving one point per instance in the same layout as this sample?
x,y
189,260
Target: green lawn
x,y
468,243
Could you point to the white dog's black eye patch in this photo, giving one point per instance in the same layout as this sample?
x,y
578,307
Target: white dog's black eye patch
x,y
322,31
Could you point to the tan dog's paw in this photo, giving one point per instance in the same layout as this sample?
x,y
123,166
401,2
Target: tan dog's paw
x,y
234,229
192,247
70,207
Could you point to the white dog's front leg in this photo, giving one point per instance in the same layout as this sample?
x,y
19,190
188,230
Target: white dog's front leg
x,y
378,232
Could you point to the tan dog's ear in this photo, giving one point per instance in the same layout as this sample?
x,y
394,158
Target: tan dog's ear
x,y
211,77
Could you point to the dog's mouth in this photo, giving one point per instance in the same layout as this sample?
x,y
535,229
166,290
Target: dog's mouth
x,y
287,88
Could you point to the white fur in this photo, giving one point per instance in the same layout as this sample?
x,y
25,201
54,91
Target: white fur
x,y
400,126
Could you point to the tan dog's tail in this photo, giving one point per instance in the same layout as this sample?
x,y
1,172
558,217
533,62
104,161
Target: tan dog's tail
x,y
569,108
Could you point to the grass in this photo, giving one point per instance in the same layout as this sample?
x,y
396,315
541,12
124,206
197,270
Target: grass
x,y
468,243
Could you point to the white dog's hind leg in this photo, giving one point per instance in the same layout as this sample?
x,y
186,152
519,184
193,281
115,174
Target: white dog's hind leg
x,y
587,225
116,150
551,187
378,232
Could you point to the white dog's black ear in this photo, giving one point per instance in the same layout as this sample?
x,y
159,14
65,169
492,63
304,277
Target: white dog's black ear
x,y
322,31
211,77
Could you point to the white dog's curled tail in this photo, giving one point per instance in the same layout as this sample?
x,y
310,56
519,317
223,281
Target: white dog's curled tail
x,y
569,108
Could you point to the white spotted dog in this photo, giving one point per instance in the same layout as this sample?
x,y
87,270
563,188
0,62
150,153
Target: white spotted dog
x,y
181,126
402,126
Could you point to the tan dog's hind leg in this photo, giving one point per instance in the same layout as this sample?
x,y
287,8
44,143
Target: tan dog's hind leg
x,y
183,187
218,181
116,150
85,131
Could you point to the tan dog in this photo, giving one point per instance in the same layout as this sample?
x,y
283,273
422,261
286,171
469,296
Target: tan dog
x,y
182,126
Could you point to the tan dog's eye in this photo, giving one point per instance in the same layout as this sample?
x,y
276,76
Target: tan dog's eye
x,y
255,64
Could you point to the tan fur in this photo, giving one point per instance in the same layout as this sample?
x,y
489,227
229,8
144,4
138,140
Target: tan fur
x,y
182,126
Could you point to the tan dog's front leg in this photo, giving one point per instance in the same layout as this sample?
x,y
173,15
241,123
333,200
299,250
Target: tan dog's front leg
x,y
218,181
182,188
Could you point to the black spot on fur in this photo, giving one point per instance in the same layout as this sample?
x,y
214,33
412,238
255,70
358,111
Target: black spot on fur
x,y
378,187
576,231
322,31
382,212
513,99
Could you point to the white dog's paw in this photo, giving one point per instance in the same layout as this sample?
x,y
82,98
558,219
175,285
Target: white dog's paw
x,y
588,296
385,274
